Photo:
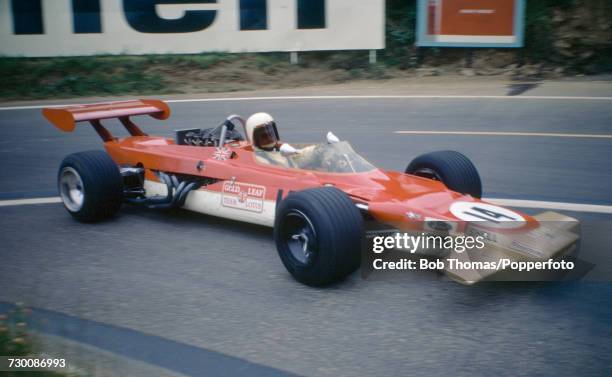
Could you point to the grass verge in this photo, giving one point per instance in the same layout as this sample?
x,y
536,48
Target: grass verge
x,y
16,340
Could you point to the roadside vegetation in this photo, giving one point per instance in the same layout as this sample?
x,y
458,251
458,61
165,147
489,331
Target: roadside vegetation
x,y
16,340
563,37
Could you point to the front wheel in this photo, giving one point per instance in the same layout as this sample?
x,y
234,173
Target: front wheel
x,y
90,186
318,235
452,168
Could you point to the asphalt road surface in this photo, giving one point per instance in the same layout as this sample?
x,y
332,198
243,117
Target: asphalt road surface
x,y
203,296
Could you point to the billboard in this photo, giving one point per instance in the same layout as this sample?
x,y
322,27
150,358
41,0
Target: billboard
x,y
470,23
92,27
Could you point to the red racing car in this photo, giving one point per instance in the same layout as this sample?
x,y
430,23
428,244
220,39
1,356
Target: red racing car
x,y
316,196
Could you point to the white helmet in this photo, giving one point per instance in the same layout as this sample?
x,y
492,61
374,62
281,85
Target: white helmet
x,y
261,131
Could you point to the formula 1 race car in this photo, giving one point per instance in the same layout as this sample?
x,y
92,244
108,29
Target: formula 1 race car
x,y
318,197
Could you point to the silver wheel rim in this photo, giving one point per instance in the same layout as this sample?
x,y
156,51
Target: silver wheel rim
x,y
300,237
71,189
428,173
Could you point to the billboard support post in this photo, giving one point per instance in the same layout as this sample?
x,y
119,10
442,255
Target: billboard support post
x,y
469,57
373,57
293,57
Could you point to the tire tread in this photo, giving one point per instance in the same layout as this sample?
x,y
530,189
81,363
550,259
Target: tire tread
x,y
458,173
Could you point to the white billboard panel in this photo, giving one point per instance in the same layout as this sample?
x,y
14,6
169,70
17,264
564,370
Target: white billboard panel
x,y
92,27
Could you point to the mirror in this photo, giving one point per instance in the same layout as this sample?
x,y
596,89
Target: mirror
x,y
331,138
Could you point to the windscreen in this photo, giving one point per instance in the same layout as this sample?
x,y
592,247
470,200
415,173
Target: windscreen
x,y
330,158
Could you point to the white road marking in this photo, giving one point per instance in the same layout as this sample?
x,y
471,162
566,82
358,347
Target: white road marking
x,y
575,207
486,133
25,202
340,97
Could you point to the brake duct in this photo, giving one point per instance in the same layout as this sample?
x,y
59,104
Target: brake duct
x,y
175,197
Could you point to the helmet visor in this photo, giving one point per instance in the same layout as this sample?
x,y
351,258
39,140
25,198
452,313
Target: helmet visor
x,y
265,135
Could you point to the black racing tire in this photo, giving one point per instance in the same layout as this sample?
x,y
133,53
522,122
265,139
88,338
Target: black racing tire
x,y
333,229
90,186
452,168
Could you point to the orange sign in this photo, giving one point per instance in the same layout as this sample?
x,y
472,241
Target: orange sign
x,y
498,23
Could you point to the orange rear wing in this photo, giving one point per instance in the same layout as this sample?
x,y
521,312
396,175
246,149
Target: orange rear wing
x,y
65,118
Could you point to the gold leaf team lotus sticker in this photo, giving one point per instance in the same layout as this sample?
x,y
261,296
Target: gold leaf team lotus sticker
x,y
243,196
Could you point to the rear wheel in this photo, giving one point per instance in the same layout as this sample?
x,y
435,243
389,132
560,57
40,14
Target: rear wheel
x,y
90,186
318,235
452,168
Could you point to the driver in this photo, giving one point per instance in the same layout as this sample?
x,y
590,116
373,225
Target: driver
x,y
262,133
